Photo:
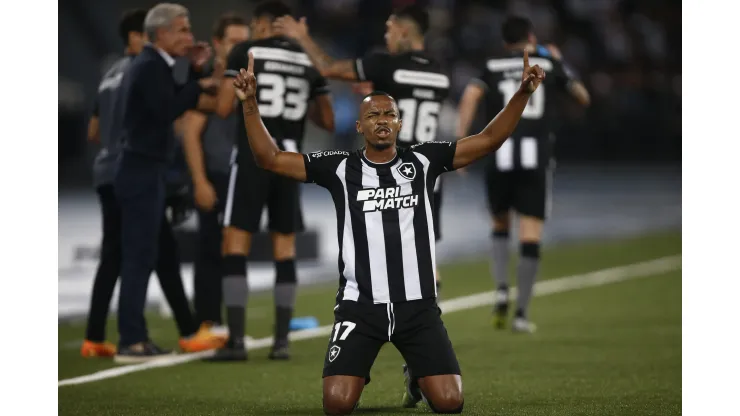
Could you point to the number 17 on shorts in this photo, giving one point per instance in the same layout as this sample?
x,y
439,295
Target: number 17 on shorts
x,y
340,333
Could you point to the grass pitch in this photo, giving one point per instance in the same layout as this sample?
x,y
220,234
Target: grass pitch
x,y
608,350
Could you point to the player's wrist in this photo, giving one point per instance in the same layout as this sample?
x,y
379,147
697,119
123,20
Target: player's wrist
x,y
200,181
302,37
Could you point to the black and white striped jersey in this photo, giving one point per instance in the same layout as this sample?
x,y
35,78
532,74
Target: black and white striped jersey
x,y
287,82
416,81
530,146
384,219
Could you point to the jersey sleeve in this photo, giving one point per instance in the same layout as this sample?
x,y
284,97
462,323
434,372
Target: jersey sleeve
x,y
439,154
321,167
481,79
372,67
237,60
564,75
319,86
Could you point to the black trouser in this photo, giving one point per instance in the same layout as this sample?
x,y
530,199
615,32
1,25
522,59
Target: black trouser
x,y
208,271
168,271
140,192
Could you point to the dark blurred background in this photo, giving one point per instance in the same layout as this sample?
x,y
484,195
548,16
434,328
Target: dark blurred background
x,y
627,52
618,162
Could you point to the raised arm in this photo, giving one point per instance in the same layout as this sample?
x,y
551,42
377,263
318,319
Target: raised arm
x,y
266,153
472,148
573,86
329,67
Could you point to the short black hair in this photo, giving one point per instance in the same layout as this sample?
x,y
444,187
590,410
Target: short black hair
x,y
516,29
226,20
132,21
416,14
377,93
271,9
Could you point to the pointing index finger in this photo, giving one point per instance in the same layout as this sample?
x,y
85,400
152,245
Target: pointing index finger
x,y
250,64
526,59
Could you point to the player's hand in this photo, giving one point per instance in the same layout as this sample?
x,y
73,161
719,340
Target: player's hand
x,y
531,76
199,54
245,83
205,195
288,26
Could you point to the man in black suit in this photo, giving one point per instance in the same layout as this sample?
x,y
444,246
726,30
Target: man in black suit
x,y
152,103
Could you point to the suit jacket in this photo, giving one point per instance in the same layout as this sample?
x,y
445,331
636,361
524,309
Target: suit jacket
x,y
153,100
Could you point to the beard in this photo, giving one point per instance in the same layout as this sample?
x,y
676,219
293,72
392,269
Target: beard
x,y
380,146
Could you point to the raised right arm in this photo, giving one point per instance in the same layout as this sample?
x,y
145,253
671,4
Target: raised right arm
x,y
266,152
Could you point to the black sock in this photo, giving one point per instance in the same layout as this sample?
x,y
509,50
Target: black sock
x,y
285,291
234,286
529,262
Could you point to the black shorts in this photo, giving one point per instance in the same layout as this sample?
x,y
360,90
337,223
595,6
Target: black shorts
x,y
528,192
250,189
436,212
414,327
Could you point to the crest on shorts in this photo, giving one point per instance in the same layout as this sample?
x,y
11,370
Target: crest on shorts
x,y
407,170
334,352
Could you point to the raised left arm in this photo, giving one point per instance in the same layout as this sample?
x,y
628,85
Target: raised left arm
x,y
329,67
472,148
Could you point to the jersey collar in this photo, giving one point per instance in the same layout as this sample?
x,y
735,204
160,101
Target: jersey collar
x,y
379,165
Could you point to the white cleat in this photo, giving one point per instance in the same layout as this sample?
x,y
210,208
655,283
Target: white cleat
x,y
523,325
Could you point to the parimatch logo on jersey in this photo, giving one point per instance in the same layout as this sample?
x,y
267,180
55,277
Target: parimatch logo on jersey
x,y
381,199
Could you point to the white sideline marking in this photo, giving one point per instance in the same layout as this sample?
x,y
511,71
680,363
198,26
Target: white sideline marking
x,y
546,287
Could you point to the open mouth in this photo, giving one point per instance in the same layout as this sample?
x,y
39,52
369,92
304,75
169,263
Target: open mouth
x,y
382,132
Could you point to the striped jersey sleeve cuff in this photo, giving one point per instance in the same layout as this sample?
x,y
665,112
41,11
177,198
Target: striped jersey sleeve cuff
x,y
360,69
306,163
321,91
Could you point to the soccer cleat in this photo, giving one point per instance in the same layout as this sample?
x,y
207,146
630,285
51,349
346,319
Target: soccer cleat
x,y
97,349
522,325
141,352
232,351
279,353
412,392
202,340
500,308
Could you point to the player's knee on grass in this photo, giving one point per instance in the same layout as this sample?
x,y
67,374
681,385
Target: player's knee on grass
x,y
236,242
530,229
443,393
501,222
341,394
283,246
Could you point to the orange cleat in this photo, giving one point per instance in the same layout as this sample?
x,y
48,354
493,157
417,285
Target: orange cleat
x,y
97,349
202,340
